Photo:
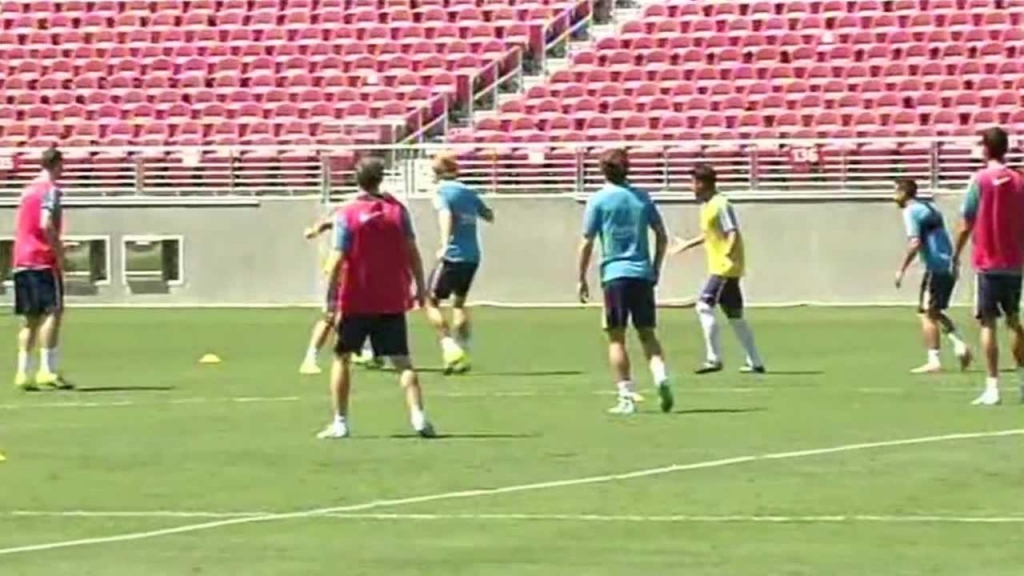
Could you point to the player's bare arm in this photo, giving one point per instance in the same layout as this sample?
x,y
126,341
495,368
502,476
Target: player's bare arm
x,y
963,235
486,214
660,247
680,245
53,236
913,248
446,223
325,224
416,267
332,267
586,252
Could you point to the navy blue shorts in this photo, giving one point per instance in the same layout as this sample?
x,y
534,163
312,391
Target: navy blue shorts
x,y
936,291
628,299
388,334
452,278
724,292
997,294
38,292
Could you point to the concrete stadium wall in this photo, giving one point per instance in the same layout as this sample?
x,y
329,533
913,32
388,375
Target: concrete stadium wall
x,y
252,252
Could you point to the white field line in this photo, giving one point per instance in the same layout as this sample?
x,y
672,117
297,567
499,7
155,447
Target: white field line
x,y
475,493
674,518
446,394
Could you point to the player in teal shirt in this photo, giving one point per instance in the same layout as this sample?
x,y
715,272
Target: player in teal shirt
x,y
621,216
929,240
459,208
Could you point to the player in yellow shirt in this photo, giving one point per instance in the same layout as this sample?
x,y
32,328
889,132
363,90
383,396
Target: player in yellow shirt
x,y
723,243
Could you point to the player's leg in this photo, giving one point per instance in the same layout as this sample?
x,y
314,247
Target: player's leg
x,y
645,319
27,337
461,323
616,319
987,310
352,332
317,339
929,312
731,301
440,289
940,296
52,303
26,306
1011,307
706,303
390,337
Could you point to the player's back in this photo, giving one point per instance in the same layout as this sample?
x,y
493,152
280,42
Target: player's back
x,y
31,245
928,224
376,278
465,206
999,224
624,214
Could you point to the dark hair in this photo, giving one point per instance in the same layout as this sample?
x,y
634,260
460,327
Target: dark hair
x,y
615,165
907,186
705,174
996,142
370,173
51,158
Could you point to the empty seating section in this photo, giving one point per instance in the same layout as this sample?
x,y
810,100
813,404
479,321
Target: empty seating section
x,y
240,72
834,68
702,71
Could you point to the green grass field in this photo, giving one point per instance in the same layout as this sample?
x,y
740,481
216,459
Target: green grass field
x,y
531,478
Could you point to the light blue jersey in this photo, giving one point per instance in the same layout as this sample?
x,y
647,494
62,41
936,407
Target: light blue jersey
x,y
622,217
466,208
924,221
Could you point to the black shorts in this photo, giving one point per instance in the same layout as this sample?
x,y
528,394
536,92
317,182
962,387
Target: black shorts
x,y
38,292
388,334
629,298
997,294
450,278
724,292
936,292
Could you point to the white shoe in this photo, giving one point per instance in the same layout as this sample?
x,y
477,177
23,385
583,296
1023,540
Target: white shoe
x,y
929,368
990,397
334,431
624,407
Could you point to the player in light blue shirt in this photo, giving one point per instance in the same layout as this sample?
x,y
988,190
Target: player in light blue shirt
x,y
929,240
621,217
459,208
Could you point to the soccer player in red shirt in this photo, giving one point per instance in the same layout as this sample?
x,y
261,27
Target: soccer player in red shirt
x,y
38,279
993,213
374,262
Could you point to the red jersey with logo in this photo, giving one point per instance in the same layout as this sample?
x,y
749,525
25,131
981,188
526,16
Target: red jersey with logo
x,y
998,214
373,233
32,248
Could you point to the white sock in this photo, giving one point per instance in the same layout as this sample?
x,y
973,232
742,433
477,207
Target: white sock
x,y
959,346
24,362
311,355
746,338
658,371
367,351
339,420
992,384
48,360
625,389
450,346
933,357
712,338
418,418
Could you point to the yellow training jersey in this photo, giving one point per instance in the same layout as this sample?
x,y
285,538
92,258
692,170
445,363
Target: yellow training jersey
x,y
717,219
